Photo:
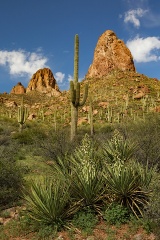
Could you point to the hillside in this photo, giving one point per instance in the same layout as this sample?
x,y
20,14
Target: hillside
x,y
114,97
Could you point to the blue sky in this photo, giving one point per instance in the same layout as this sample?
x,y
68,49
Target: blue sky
x,y
40,33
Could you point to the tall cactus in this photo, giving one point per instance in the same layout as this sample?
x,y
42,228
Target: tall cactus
x,y
91,118
22,115
75,91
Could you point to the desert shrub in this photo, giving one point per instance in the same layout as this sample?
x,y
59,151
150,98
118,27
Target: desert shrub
x,y
85,220
146,135
55,145
152,213
10,174
46,232
10,183
116,214
25,137
5,133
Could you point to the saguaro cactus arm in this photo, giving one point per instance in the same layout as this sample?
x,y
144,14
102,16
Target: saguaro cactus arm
x,y
75,94
72,93
85,95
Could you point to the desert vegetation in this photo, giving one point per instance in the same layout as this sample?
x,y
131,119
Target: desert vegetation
x,y
110,177
89,169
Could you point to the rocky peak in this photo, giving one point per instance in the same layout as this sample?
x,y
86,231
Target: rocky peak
x,y
18,89
110,54
43,81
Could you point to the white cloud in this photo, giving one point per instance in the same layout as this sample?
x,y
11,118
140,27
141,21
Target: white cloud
x,y
22,63
145,49
59,76
70,77
133,16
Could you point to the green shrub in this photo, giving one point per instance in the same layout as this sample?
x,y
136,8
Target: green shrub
x,y
10,176
116,214
85,220
55,145
10,183
25,137
46,232
152,213
146,135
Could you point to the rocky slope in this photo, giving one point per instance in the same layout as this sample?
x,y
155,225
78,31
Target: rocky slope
x,y
114,85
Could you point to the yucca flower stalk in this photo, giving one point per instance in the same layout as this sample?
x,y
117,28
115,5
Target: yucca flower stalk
x,y
118,149
87,181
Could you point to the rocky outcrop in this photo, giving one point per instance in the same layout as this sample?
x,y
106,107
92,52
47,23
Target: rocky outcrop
x,y
43,81
110,54
18,89
140,91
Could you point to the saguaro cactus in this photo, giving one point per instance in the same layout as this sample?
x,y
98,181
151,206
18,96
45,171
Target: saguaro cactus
x,y
91,118
22,115
75,91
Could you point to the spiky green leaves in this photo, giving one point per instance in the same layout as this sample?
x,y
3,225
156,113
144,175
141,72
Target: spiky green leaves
x,y
83,172
126,184
48,203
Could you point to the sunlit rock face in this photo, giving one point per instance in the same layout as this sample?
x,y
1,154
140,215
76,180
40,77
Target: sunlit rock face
x,y
110,54
18,89
43,81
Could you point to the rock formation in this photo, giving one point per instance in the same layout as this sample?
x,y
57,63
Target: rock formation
x,y
110,54
43,81
18,89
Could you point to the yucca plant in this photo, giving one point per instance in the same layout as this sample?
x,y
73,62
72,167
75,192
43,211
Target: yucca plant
x,y
49,203
128,184
118,149
87,177
84,174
